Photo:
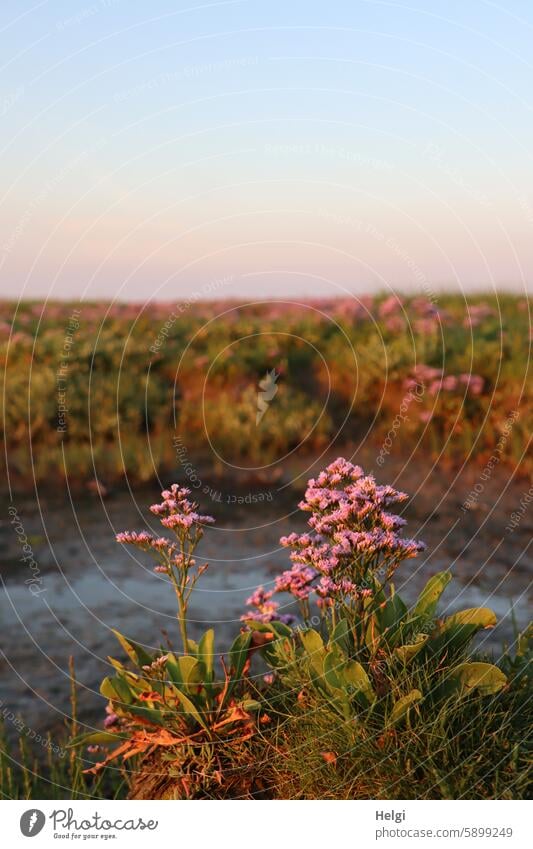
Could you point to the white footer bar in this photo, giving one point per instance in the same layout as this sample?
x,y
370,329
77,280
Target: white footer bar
x,y
265,824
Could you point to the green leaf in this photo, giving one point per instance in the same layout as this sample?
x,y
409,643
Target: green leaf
x,y
173,669
117,689
480,617
107,689
341,704
341,636
206,653
251,705
277,628
314,648
452,636
134,651
123,688
237,655
262,627
430,595
281,629
280,648
152,714
465,678
354,674
190,708
402,707
332,668
136,682
390,615
372,636
191,671
312,641
449,642
408,652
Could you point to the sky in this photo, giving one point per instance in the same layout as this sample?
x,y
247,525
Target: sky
x,y
158,150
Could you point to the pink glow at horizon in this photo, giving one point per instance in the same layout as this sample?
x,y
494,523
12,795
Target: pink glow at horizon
x,y
286,151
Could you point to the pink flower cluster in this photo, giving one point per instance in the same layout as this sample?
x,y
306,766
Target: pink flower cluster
x,y
390,306
436,381
476,313
353,539
424,308
297,581
265,610
146,541
178,514
427,318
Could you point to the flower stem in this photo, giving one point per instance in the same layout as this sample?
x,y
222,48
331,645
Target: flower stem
x,y
182,620
182,609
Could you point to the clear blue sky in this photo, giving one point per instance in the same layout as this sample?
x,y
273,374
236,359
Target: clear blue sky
x,y
152,149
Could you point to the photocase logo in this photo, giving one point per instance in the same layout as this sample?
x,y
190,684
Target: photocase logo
x,y
268,389
32,822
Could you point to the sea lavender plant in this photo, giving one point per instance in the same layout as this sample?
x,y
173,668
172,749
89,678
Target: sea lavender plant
x,y
355,544
175,559
170,711
372,653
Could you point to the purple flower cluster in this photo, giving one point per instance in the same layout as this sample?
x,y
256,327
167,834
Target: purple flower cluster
x,y
110,720
142,538
265,610
354,539
420,314
147,542
178,514
297,581
476,313
436,381
176,559
390,306
177,511
424,307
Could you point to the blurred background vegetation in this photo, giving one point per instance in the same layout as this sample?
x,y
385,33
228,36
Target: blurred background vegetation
x,y
133,378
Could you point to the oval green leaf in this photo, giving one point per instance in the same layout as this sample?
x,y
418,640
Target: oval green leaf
x,y
430,595
402,707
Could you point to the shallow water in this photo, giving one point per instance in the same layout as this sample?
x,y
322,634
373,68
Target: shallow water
x,y
88,584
